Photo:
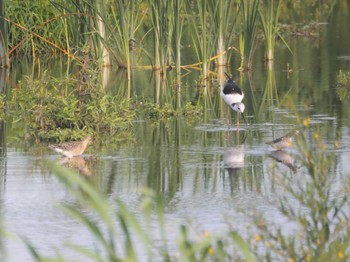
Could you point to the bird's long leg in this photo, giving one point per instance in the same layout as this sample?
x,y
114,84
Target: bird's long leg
x,y
227,119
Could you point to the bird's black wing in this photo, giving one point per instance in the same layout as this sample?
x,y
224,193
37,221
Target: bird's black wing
x,y
231,88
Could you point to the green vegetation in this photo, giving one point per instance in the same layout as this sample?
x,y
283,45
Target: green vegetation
x,y
60,109
71,107
147,34
343,84
2,106
248,33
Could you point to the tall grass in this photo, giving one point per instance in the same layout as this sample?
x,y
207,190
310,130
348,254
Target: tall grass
x,y
162,17
118,28
202,36
249,21
4,61
269,16
125,21
178,24
223,18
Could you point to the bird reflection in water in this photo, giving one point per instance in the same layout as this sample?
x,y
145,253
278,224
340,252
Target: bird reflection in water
x,y
285,158
234,155
234,159
77,163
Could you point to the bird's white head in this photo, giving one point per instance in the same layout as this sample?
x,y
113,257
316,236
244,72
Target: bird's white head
x,y
238,107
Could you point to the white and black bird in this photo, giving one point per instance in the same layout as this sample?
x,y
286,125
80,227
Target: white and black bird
x,y
233,96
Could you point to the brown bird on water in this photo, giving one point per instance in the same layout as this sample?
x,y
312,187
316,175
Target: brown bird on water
x,y
284,141
72,148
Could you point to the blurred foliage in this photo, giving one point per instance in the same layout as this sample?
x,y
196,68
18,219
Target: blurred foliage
x,y
2,106
343,84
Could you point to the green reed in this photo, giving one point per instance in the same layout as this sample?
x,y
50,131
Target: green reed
x,y
120,29
31,15
249,19
4,60
202,36
162,18
178,24
126,20
269,17
223,18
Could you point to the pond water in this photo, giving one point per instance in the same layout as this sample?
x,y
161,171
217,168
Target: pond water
x,y
208,174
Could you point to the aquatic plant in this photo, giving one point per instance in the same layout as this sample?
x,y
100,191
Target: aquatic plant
x,y
223,17
156,112
162,17
202,40
178,24
31,15
125,21
269,16
123,29
61,109
249,19
2,106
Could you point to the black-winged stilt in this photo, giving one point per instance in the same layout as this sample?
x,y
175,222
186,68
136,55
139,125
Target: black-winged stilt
x,y
233,96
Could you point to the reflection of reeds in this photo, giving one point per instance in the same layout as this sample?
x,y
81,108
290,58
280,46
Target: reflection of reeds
x,y
270,96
